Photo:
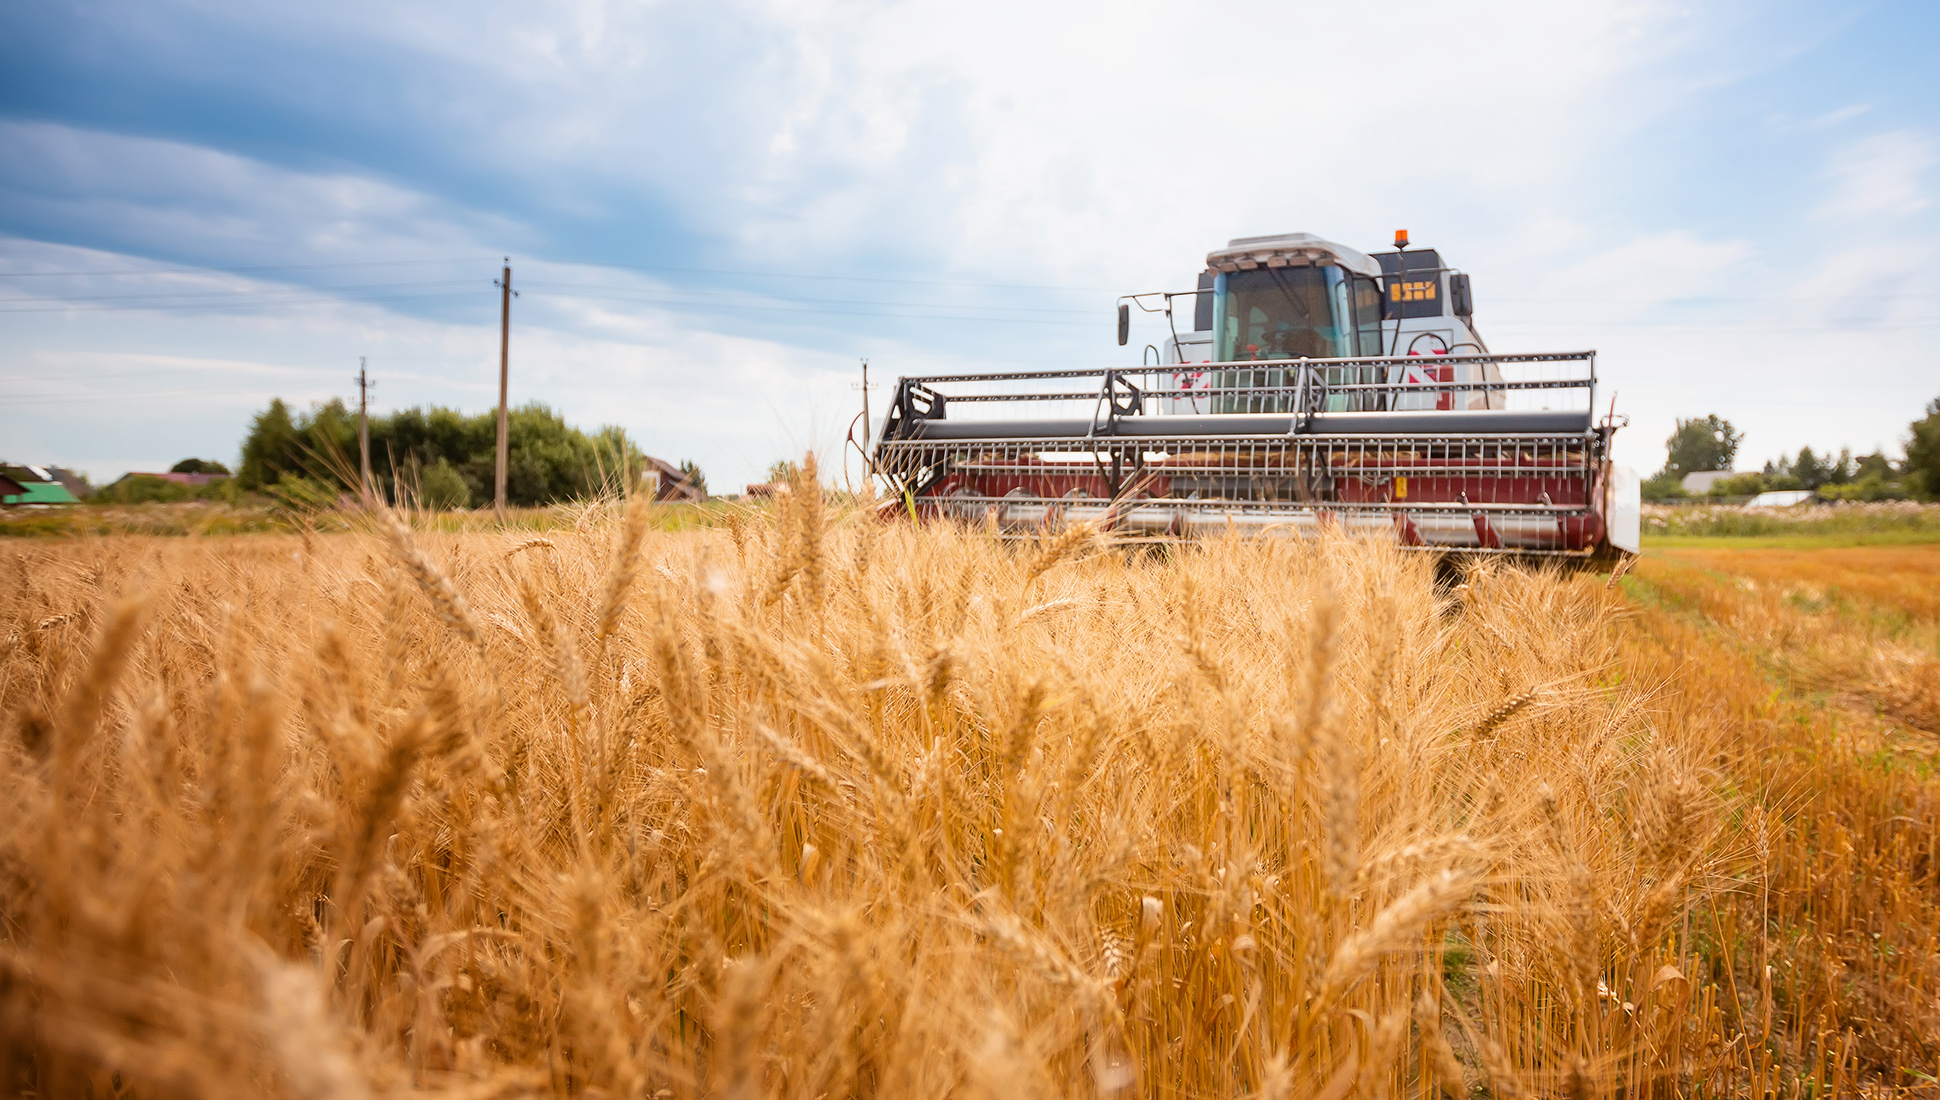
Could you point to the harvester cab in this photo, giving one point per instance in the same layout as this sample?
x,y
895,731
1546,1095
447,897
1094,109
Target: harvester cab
x,y
1317,386
1297,296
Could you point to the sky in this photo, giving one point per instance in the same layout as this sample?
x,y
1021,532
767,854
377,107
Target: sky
x,y
714,212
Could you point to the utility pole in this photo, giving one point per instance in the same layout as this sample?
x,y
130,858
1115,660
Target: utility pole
x,y
363,425
868,467
865,406
506,294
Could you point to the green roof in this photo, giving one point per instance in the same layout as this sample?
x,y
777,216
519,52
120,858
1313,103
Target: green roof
x,y
42,492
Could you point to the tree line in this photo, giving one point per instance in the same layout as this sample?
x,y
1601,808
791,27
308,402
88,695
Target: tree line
x,y
440,457
1711,443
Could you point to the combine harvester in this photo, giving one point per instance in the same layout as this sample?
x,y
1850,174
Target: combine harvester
x,y
1318,386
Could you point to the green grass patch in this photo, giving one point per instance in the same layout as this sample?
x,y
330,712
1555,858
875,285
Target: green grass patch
x,y
1886,523
263,516
1804,540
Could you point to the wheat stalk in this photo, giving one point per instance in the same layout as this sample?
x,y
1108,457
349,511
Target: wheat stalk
x,y
560,651
794,757
811,528
444,596
1395,928
1508,709
626,564
1617,574
1055,549
1449,1075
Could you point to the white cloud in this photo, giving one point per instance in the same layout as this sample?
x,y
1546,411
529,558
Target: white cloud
x,y
1629,279
1879,176
170,197
1080,139
1839,117
1128,139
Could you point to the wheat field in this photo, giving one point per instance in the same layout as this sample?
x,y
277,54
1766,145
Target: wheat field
x,y
809,805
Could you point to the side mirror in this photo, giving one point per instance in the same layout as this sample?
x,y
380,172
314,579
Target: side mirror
x,y
1460,298
1124,323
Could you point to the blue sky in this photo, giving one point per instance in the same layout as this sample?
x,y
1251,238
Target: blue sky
x,y
715,210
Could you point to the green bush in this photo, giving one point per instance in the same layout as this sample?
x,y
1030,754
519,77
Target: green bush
x,y
1663,485
442,488
1744,485
1721,520
149,489
1870,486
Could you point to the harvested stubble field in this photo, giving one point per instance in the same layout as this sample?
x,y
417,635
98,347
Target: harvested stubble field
x,y
807,806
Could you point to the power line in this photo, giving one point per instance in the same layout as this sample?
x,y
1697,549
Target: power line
x,y
827,276
837,278
111,399
177,268
205,368
1909,324
1738,298
258,303
637,291
185,307
236,293
990,318
623,293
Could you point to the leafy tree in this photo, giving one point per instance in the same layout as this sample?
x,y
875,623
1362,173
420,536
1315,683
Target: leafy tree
x,y
1700,445
1923,452
1841,470
198,466
693,471
270,449
1874,465
1811,470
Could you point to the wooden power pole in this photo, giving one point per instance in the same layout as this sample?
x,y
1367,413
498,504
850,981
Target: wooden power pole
x,y
363,426
504,360
868,464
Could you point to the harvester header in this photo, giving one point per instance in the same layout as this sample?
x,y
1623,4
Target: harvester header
x,y
1336,389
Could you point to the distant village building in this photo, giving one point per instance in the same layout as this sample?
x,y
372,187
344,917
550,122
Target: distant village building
x,y
670,482
72,480
39,485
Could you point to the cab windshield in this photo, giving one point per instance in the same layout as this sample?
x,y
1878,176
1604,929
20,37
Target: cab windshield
x,y
1296,313
1279,313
